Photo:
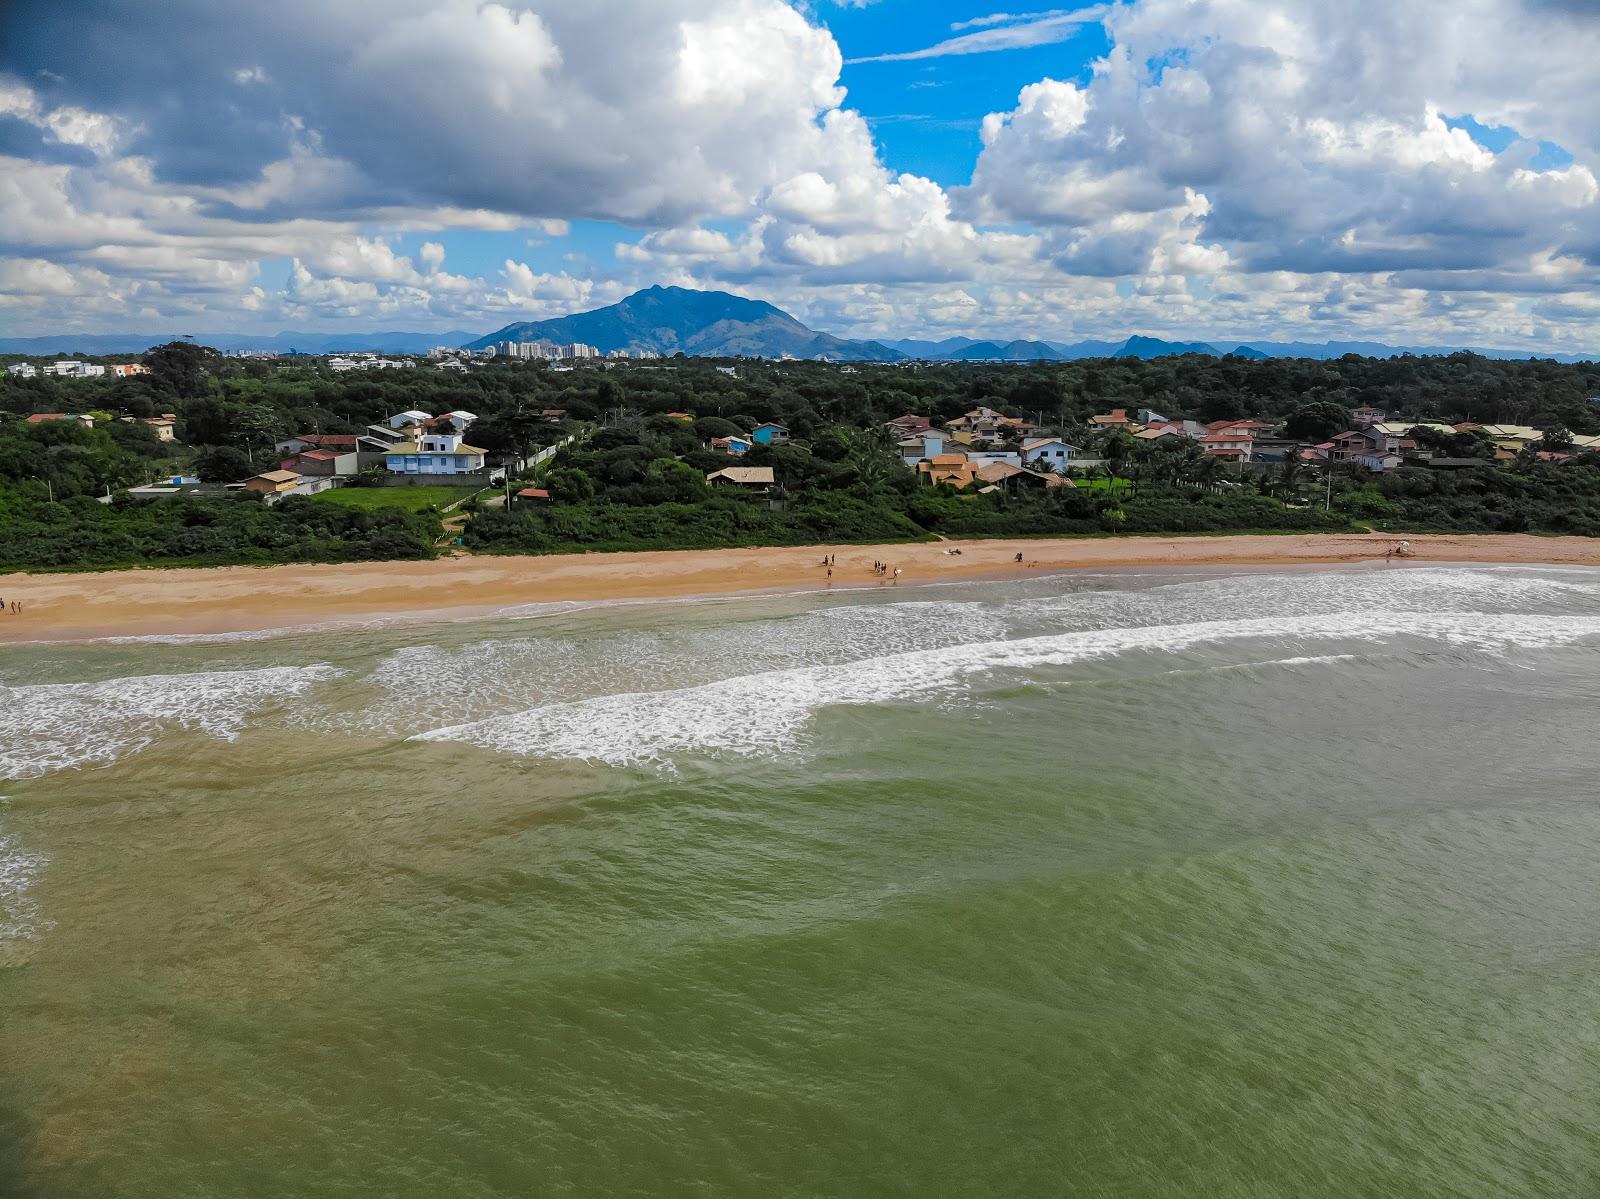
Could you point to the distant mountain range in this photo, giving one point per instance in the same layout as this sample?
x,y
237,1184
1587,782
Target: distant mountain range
x,y
671,320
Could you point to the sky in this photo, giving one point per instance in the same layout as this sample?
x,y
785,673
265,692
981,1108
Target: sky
x,y
1419,173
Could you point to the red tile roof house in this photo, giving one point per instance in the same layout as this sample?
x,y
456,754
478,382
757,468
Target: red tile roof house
x,y
40,418
1117,418
318,441
1234,446
325,462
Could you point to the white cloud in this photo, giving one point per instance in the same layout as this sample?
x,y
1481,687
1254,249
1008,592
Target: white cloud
x,y
1031,29
66,124
1260,167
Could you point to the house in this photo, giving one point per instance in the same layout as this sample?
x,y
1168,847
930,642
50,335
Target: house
x,y
732,445
44,418
326,463
73,369
908,425
727,370
769,434
1015,478
918,449
686,417
954,469
1052,451
347,442
22,370
1349,445
1366,416
1117,418
742,476
411,416
982,458
1160,432
1148,416
1273,449
126,370
458,419
1379,460
164,427
1233,446
434,454
1252,428
273,482
1456,463
530,495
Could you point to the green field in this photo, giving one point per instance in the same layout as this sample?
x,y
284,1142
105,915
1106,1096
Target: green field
x,y
412,499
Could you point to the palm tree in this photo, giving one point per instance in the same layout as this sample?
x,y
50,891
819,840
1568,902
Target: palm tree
x,y
1289,472
1115,453
1207,469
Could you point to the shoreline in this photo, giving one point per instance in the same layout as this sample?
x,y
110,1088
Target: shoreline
x,y
298,597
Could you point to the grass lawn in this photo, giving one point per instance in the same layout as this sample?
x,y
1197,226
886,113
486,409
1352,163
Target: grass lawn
x,y
412,499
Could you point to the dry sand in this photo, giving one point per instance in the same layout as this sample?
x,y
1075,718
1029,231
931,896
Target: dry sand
x,y
243,598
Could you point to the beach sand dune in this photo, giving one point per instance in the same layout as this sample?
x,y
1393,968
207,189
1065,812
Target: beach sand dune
x,y
242,599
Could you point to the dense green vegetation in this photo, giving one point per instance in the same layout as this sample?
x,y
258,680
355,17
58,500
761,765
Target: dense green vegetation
x,y
637,477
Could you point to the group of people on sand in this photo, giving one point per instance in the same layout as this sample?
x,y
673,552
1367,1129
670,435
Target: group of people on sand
x,y
885,570
15,607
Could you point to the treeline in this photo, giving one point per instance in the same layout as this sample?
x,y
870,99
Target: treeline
x,y
1526,497
81,533
637,477
250,404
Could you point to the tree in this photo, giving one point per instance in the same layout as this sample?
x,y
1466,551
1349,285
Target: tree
x,y
1289,472
569,485
1556,440
1316,420
223,464
179,367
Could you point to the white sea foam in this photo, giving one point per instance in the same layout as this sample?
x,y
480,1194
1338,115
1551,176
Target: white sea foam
x,y
55,726
767,711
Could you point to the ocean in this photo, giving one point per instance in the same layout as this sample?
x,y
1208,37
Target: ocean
x,y
1148,883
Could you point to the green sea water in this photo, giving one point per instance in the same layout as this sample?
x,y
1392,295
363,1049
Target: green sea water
x,y
1143,884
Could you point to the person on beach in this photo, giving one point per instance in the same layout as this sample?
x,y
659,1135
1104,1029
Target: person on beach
x,y
1018,558
897,575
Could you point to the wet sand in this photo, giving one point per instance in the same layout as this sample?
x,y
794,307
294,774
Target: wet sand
x,y
244,599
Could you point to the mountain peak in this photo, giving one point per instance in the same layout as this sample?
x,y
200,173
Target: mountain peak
x,y
672,320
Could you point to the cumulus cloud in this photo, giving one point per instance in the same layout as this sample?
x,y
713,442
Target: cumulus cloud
x,y
1264,167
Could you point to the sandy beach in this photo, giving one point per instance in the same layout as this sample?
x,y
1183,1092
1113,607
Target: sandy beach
x,y
241,599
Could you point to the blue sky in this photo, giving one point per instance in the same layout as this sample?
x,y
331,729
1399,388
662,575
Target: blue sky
x,y
1220,169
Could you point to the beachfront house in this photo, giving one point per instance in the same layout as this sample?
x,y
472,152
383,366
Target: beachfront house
x,y
921,447
434,454
272,482
47,418
325,463
955,469
1049,451
747,478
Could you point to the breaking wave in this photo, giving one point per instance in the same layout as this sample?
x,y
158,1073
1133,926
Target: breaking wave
x,y
763,712
57,726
